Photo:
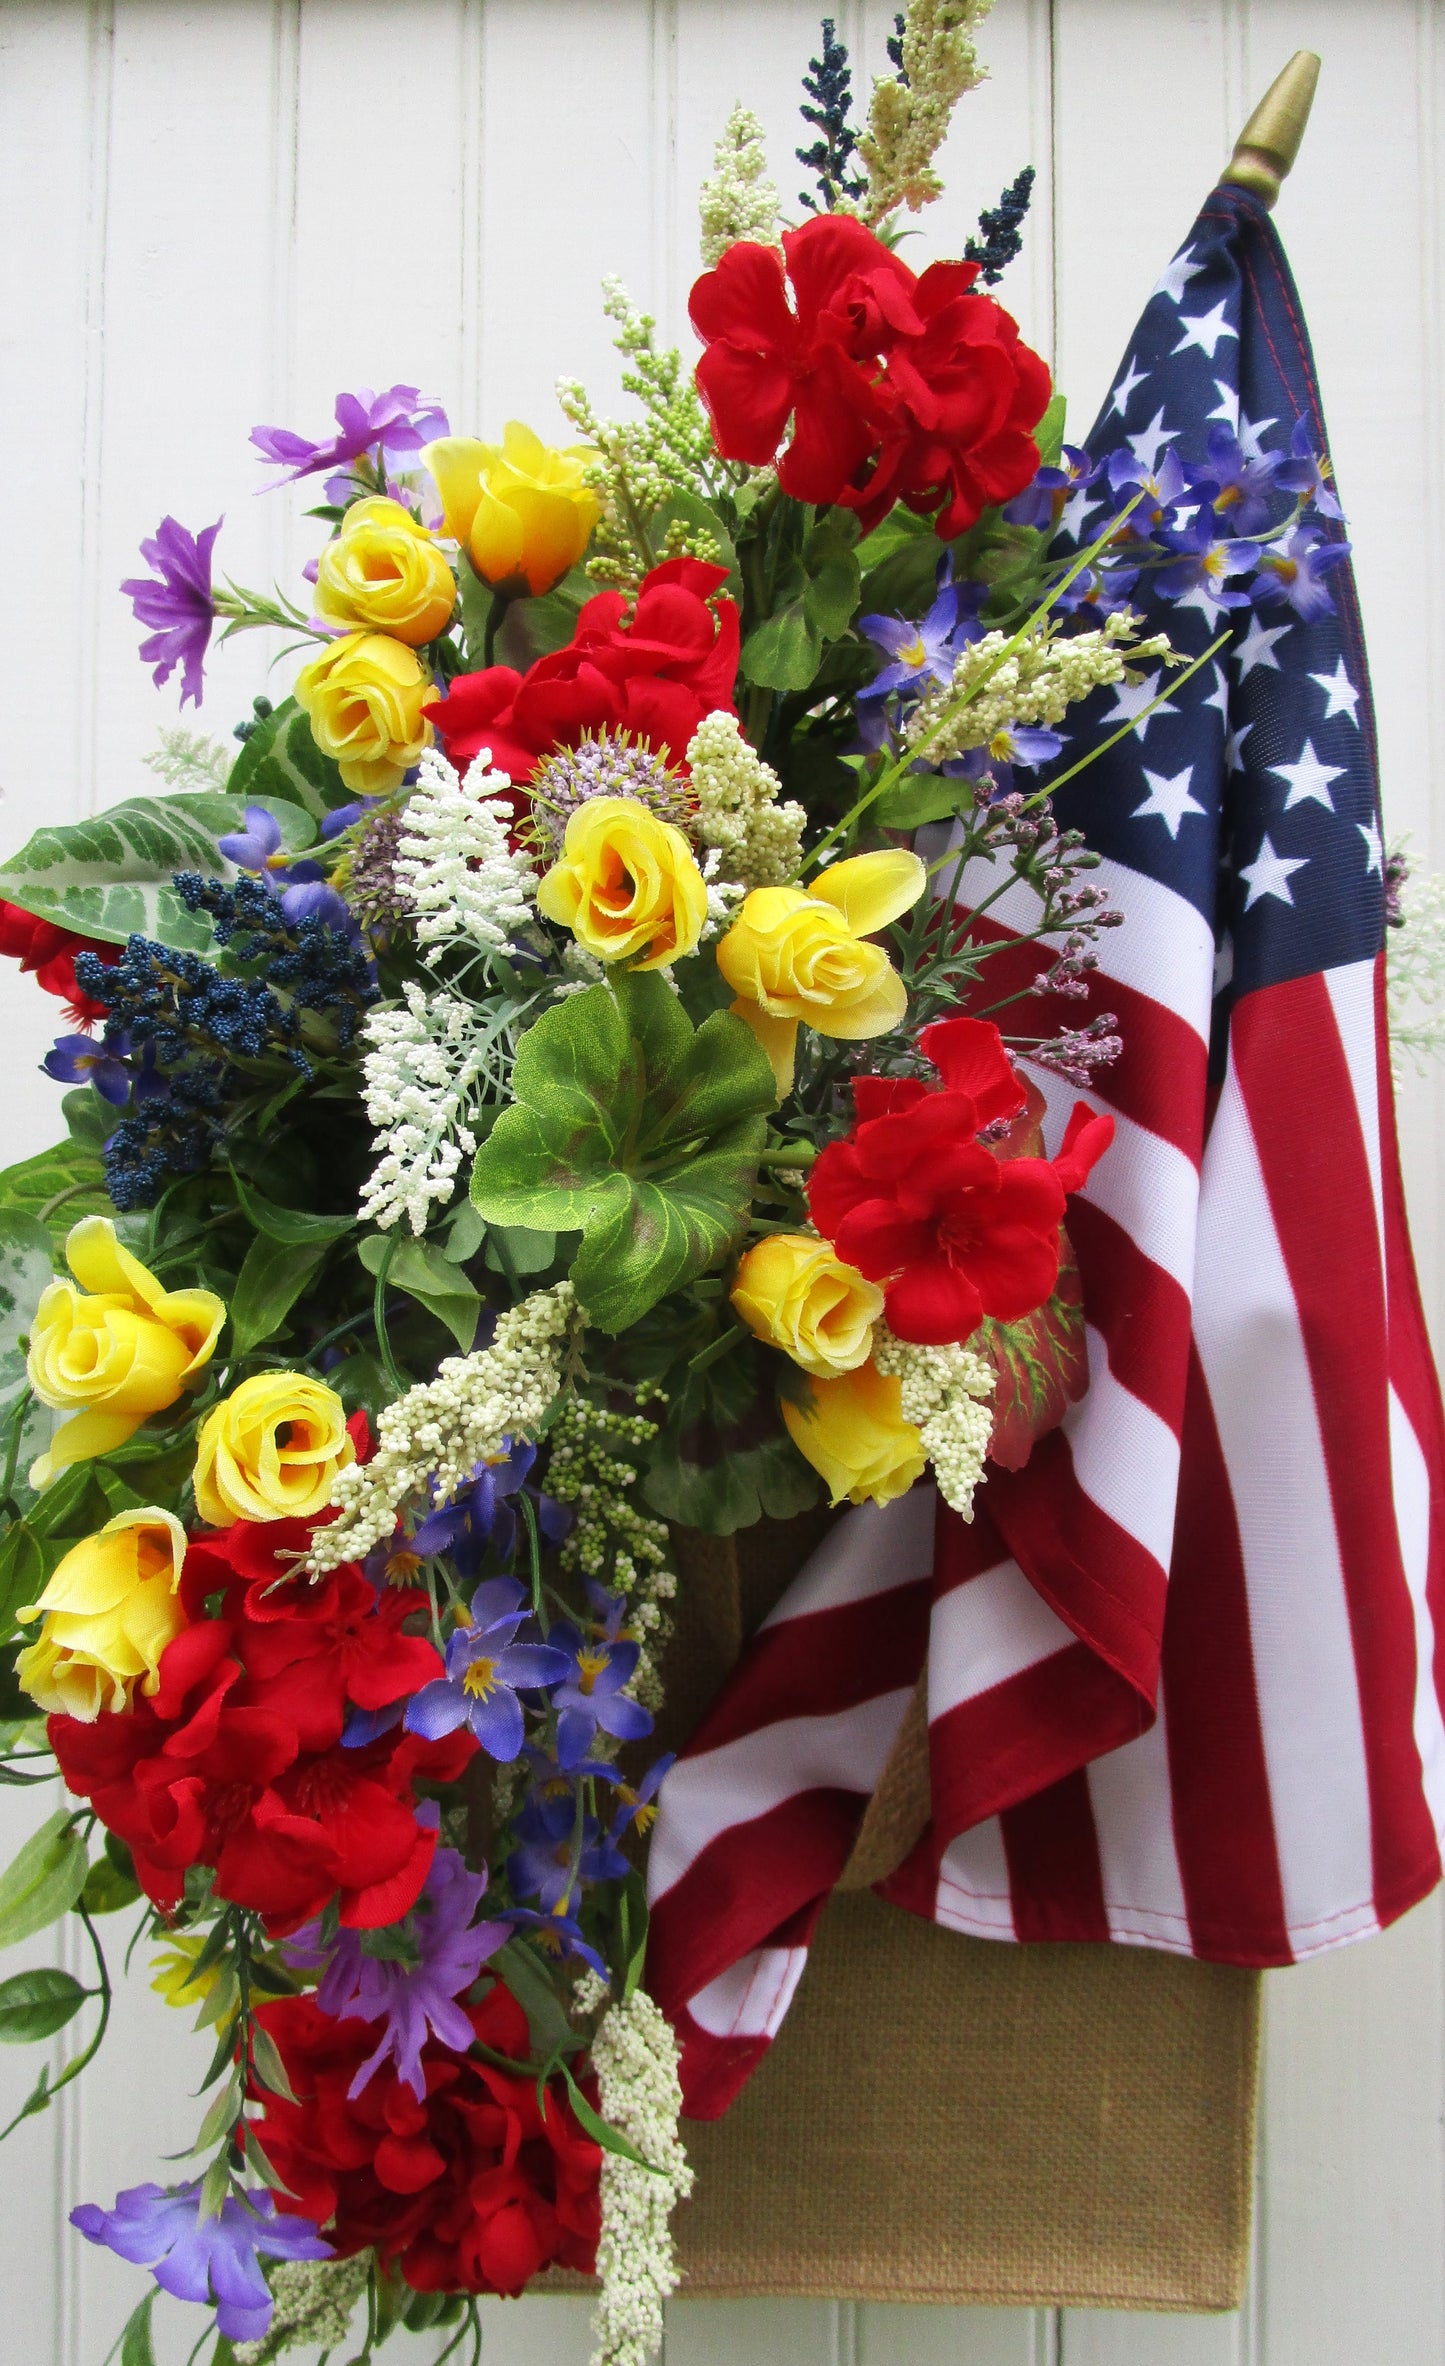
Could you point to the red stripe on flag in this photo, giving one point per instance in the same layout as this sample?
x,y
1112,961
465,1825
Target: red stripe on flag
x,y
1140,1310
1297,1090
1218,1776
994,1750
820,1663
1099,1578
1056,1881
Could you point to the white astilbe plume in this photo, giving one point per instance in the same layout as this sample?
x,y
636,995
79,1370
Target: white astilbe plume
x,y
739,201
995,687
635,2057
1415,974
738,807
420,1072
947,1394
315,2302
455,865
430,1440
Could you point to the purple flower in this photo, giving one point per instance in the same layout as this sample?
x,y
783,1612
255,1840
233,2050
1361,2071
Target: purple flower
x,y
400,422
1295,572
78,1059
1238,487
593,1693
415,1993
485,1670
1308,474
1103,591
483,1514
177,600
1043,503
204,2259
923,653
1205,562
258,847
638,1806
1162,487
552,1832
559,1934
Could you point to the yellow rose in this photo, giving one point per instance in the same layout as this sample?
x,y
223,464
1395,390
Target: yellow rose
x,y
519,509
796,1292
384,570
123,1352
109,1611
853,1432
626,883
365,696
270,1450
794,958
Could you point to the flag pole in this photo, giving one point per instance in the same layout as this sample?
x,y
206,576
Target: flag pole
x,y
1270,141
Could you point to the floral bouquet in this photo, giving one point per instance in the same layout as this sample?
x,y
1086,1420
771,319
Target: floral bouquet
x,y
558,1079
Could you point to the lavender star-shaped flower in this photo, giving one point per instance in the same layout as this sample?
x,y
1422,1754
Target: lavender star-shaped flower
x,y
399,422
204,2259
1206,561
554,1854
593,1694
1043,503
79,1059
484,1515
301,888
414,2000
177,601
1295,571
1308,474
1238,487
485,1670
925,652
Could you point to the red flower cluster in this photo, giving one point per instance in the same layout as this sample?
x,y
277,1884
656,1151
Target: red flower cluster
x,y
900,388
655,674
49,954
472,2190
236,1761
915,1201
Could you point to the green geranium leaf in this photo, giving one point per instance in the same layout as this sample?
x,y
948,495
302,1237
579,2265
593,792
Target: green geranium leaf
x,y
107,1889
72,1175
280,763
724,1459
922,797
90,1119
272,1277
515,1250
830,563
35,2004
110,876
23,1572
636,1130
690,510
429,1277
785,650
43,1882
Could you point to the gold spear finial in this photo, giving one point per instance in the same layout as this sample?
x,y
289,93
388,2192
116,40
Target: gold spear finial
x,y
1270,141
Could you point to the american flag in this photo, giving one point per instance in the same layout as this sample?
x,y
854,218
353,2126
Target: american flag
x,y
1183,1679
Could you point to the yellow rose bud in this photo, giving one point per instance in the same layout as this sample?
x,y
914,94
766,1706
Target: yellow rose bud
x,y
384,570
118,1349
365,696
793,958
626,883
519,509
270,1450
796,1293
109,1611
853,1432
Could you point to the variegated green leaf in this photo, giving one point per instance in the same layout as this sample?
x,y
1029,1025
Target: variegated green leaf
x,y
110,876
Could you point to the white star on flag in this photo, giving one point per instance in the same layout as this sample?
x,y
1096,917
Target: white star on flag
x,y
1234,746
1219,696
1251,437
1269,874
1201,597
1074,512
1257,647
1227,407
1169,799
1223,963
1341,696
1119,400
1205,330
1147,445
1130,701
1309,779
1374,850
1176,277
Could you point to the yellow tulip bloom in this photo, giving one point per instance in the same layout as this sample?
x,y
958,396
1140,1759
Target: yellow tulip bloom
x,y
109,1611
384,570
270,1450
626,884
795,1292
852,1431
794,958
118,1349
520,509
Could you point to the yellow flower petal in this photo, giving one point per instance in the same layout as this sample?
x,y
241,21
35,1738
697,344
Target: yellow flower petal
x,y
872,889
882,1008
457,463
779,1039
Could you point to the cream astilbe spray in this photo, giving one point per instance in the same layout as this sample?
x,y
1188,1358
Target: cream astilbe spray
x,y
909,114
739,201
455,864
947,1395
433,1437
740,812
315,2302
635,2057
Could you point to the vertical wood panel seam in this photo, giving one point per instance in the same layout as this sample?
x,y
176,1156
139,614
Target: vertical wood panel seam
x,y
286,154
471,31
100,70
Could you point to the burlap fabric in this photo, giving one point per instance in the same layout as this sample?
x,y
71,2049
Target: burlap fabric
x,y
950,2119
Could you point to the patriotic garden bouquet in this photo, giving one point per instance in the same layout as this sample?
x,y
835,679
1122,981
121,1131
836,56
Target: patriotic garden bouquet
x,y
559,1078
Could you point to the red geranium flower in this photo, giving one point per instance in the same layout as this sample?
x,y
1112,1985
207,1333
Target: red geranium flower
x,y
235,1762
48,953
655,674
473,2190
915,1201
899,388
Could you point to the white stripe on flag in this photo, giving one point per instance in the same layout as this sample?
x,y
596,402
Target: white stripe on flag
x,y
1139,1864
1126,1460
974,1894
983,1632
1410,1480
872,1549
750,1998
1351,990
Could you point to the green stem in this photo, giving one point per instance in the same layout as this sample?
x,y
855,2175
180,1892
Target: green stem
x,y
17,1432
1104,745
378,1316
718,1348
534,1549
73,2069
71,1191
788,1154
496,617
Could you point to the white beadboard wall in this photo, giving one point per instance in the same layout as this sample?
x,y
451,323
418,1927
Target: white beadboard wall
x,y
220,212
